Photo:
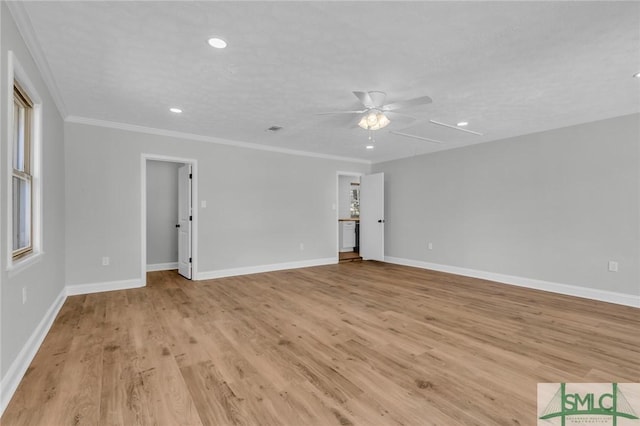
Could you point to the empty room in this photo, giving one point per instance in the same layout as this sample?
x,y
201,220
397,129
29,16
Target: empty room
x,y
319,213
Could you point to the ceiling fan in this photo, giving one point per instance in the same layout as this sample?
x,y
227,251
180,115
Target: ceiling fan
x,y
377,114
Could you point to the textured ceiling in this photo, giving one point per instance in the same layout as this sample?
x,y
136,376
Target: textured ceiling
x,y
508,68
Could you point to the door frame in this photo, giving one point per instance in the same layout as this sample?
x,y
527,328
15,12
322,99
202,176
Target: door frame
x,y
144,157
338,174
185,220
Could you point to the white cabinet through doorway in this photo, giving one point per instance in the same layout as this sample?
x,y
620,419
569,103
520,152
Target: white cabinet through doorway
x,y
347,235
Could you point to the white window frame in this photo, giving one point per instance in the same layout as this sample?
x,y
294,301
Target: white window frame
x,y
23,174
17,73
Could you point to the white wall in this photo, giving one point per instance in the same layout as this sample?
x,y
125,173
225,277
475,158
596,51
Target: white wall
x,y
260,205
162,212
553,206
45,279
344,196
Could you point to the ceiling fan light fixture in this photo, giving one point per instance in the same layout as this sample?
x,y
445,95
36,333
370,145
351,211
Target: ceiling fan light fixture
x,y
374,121
636,75
369,147
364,123
383,120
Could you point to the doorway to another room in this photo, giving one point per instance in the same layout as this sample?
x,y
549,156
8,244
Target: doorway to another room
x,y
162,215
349,218
168,218
360,217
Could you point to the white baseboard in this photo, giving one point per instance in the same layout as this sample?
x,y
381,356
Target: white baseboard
x,y
208,275
162,266
18,368
73,290
567,289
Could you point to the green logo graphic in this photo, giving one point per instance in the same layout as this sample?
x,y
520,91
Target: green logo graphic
x,y
565,405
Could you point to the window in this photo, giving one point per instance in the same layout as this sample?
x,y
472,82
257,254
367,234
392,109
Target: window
x,y
24,245
355,200
22,177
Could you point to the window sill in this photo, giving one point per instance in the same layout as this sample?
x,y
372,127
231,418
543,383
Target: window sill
x,y
20,265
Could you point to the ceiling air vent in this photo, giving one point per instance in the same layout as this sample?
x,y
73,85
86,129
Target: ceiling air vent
x,y
274,128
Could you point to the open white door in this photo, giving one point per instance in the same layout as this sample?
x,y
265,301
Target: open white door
x,y
184,221
372,217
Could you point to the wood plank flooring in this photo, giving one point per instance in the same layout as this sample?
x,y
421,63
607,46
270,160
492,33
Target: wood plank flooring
x,y
360,343
349,256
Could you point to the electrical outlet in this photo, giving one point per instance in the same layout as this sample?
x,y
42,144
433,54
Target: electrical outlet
x,y
613,266
430,246
24,295
203,204
106,261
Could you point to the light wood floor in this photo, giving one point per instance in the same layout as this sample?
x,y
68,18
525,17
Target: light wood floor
x,y
359,343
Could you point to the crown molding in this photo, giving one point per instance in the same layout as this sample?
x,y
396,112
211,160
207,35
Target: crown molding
x,y
25,27
201,138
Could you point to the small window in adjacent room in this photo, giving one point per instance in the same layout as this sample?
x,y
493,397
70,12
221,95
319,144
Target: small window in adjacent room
x,y
22,177
355,200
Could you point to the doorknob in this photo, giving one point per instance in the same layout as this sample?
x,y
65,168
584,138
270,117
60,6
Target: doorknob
x,y
177,225
380,220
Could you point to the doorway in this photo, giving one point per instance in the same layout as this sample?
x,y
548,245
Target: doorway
x,y
348,208
162,215
168,218
360,217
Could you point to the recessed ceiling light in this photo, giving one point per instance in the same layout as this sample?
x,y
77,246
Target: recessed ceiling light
x,y
637,75
369,147
175,110
218,43
462,124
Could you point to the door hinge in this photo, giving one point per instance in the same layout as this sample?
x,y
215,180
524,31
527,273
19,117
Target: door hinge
x,y
189,260
190,175
190,217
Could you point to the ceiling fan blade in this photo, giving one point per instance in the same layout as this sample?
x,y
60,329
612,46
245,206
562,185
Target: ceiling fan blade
x,y
407,135
398,117
365,99
341,112
422,100
377,98
451,126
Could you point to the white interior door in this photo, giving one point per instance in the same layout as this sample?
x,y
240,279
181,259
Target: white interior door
x,y
372,217
184,221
